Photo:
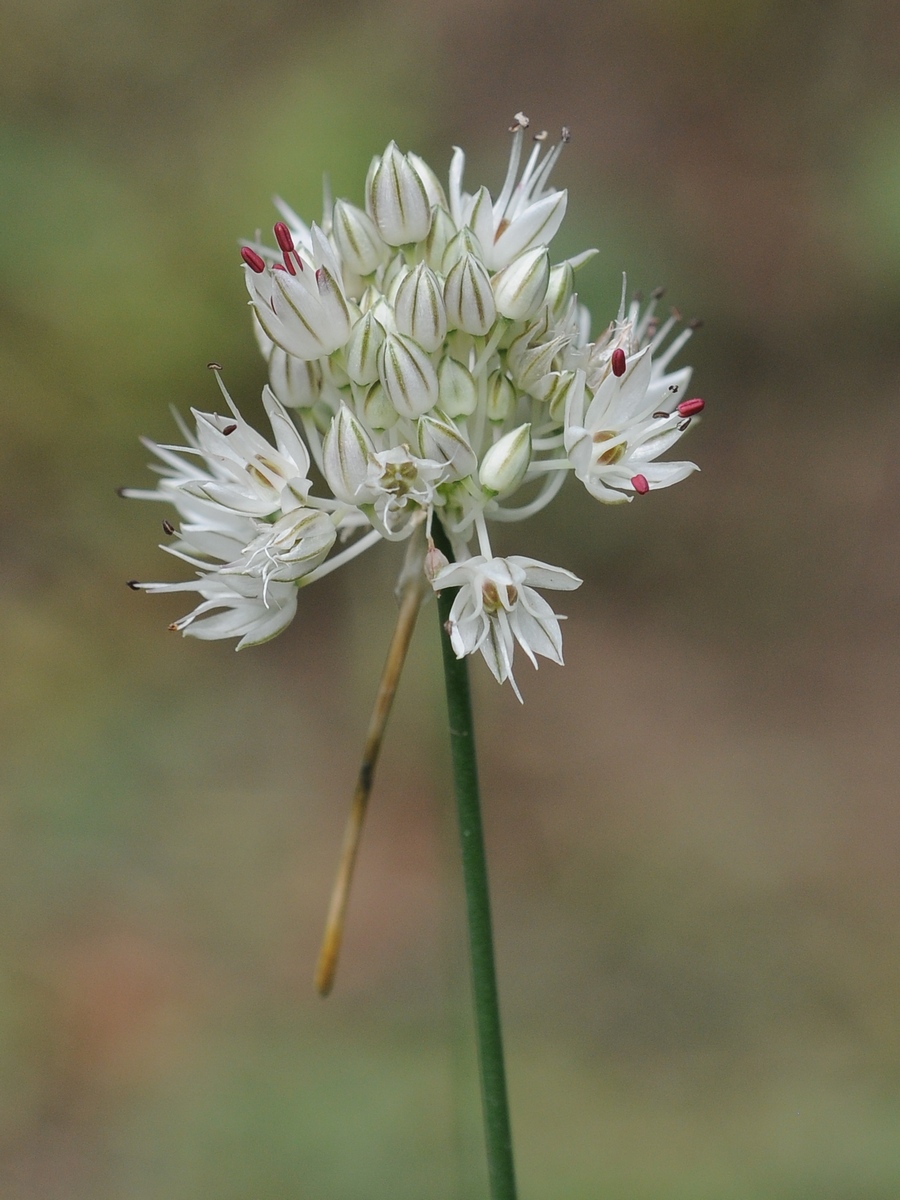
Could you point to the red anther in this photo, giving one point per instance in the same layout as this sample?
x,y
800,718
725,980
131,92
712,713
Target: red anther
x,y
640,484
690,408
252,259
283,237
229,429
278,267
617,361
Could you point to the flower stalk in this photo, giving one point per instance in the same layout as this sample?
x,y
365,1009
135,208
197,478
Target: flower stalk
x,y
492,1070
412,589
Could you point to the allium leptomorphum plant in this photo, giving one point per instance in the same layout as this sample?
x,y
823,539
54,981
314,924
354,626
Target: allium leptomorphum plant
x,y
434,364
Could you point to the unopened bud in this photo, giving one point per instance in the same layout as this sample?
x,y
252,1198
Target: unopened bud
x,y
462,243
359,242
419,308
504,465
377,409
520,288
397,200
345,455
294,382
456,388
440,235
560,288
441,441
533,370
408,376
433,187
394,274
567,398
468,297
361,354
501,396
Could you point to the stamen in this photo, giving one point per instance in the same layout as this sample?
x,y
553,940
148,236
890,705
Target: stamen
x,y
659,416
688,408
657,293
168,528
253,260
229,429
640,484
213,366
283,237
133,584
682,425
617,362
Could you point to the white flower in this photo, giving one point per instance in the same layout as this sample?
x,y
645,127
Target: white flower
x,y
248,474
399,486
613,445
287,549
497,605
300,305
237,606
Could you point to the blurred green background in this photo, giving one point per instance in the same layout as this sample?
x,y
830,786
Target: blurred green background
x,y
694,826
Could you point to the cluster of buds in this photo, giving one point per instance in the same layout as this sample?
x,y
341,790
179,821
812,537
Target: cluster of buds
x,y
433,362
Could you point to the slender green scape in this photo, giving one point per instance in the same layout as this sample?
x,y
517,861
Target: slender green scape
x,y
498,1134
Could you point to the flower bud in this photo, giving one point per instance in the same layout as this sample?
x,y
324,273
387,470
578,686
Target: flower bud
x,y
394,274
345,456
480,217
397,200
456,388
462,243
361,353
520,288
505,463
419,308
296,383
468,297
567,395
433,188
440,235
441,441
408,376
533,369
359,242
560,289
377,409
501,396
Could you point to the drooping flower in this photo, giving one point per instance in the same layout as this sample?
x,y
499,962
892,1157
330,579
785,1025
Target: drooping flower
x,y
497,605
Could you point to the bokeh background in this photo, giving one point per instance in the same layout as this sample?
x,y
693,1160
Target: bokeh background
x,y
694,827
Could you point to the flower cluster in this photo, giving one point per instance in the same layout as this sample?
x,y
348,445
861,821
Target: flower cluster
x,y
432,361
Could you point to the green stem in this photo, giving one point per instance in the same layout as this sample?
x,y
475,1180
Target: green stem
x,y
498,1137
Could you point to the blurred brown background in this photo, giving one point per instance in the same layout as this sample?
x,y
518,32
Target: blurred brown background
x,y
694,826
